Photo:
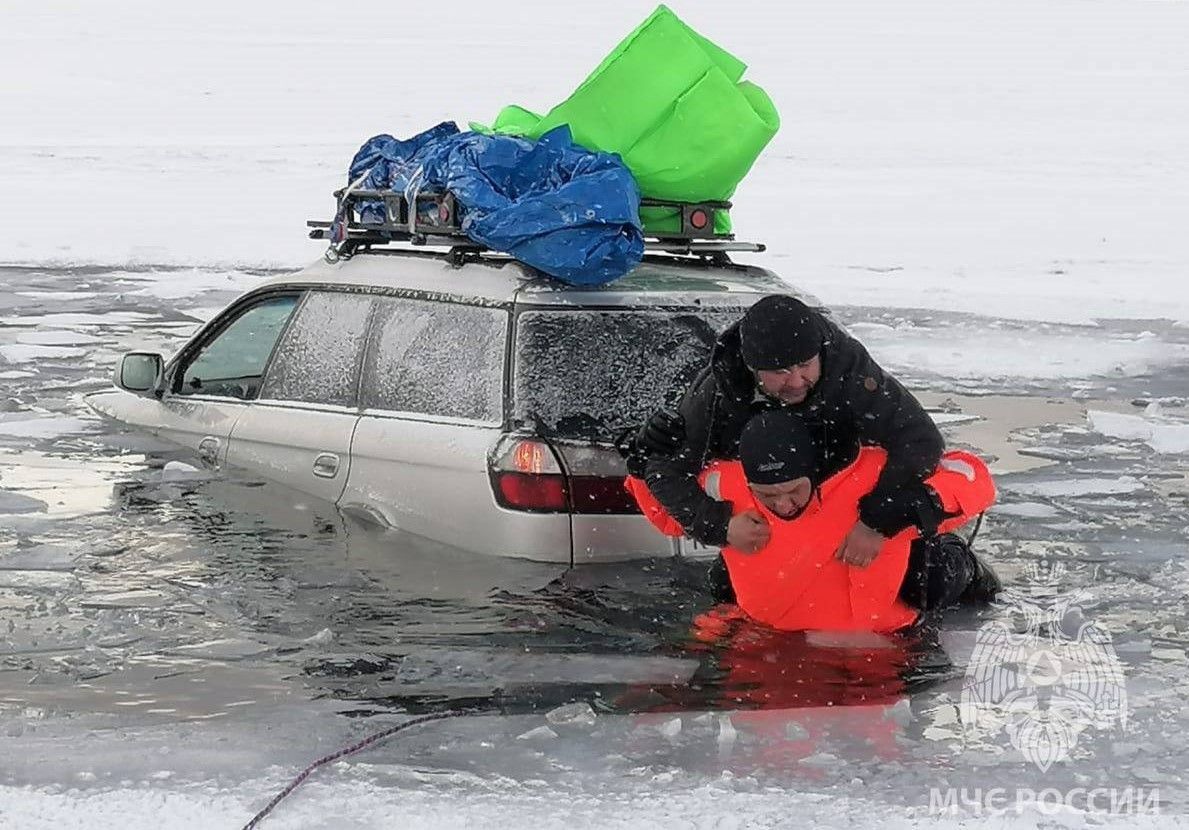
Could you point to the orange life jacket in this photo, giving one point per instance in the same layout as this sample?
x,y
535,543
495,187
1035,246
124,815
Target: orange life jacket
x,y
794,583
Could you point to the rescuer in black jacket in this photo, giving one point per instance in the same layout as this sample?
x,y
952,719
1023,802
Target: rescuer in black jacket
x,y
784,354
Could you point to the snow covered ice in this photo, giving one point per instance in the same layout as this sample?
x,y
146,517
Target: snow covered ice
x,y
992,195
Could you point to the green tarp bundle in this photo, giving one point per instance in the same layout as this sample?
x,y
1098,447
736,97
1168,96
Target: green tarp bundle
x,y
673,106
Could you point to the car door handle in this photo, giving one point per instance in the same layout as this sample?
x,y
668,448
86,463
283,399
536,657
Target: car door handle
x,y
208,452
326,465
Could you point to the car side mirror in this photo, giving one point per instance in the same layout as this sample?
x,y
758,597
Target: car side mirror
x,y
139,372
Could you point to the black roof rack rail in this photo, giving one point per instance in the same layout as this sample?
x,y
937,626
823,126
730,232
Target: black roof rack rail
x,y
434,221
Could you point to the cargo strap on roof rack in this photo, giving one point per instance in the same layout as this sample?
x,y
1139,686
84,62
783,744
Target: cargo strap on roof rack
x,y
433,219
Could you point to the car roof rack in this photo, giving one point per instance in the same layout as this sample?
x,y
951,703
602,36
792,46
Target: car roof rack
x,y
436,221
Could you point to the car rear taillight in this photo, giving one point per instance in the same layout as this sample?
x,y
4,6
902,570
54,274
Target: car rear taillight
x,y
525,475
596,476
592,494
530,474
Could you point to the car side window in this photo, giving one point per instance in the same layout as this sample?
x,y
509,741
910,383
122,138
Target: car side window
x,y
436,358
319,356
233,362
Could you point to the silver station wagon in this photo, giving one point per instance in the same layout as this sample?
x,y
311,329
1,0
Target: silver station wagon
x,y
466,399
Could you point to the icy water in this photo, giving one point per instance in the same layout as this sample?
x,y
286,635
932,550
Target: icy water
x,y
167,631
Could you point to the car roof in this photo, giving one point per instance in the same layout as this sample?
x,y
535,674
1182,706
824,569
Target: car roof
x,y
658,280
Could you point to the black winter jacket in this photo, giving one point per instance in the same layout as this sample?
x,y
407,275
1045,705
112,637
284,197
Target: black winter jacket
x,y
853,403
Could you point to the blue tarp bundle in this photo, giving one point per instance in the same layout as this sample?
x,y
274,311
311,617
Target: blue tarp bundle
x,y
562,209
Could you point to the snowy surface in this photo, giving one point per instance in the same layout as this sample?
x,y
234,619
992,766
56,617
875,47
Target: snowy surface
x,y
1013,352
993,194
1012,158
357,805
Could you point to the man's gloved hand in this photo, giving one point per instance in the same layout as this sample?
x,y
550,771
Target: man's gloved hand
x,y
915,504
662,434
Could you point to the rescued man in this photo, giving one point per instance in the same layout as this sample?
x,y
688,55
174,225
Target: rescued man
x,y
797,579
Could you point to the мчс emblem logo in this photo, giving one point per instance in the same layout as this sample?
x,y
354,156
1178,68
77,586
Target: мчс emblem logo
x,y
1045,685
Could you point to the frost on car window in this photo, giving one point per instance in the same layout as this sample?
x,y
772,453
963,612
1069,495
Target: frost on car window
x,y
591,374
436,358
318,358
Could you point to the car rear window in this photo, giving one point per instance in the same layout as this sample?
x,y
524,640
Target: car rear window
x,y
587,374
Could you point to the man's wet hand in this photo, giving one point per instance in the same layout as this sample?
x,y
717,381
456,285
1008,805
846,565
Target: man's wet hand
x,y
747,532
861,546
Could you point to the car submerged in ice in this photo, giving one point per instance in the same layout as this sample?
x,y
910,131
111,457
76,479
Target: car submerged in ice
x,y
472,402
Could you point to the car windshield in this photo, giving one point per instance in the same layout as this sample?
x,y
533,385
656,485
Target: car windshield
x,y
587,375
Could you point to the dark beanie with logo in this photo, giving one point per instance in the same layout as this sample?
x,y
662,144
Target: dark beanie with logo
x,y
775,447
778,332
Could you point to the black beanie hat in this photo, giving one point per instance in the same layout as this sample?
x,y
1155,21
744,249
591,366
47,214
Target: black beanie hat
x,y
778,332
776,446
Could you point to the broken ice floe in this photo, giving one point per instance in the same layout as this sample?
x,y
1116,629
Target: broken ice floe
x,y
1076,486
25,353
1027,510
1153,428
43,427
